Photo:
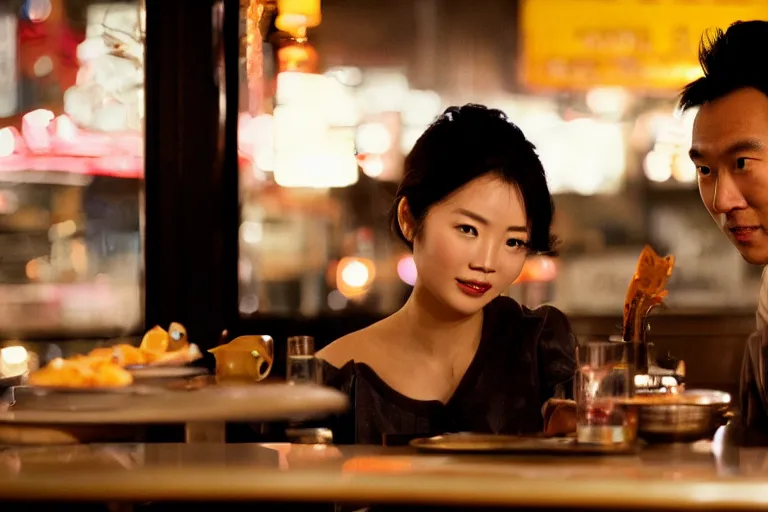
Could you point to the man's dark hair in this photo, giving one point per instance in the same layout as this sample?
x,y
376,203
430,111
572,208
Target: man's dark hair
x,y
463,144
731,60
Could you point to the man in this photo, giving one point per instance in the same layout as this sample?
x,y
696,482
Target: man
x,y
730,150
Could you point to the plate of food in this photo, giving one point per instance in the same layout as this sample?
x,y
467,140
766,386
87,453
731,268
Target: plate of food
x,y
158,348
113,369
165,372
69,390
69,399
82,374
528,445
163,355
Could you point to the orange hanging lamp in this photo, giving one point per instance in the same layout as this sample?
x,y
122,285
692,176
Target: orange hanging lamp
x,y
296,16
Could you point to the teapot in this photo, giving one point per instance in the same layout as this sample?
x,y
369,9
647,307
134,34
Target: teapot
x,y
247,358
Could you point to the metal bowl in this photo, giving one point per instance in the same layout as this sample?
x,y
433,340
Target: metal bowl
x,y
691,416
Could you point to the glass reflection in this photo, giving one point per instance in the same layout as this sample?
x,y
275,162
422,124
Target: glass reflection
x,y
71,166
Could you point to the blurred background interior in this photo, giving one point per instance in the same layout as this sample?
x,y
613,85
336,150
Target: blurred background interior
x,y
331,99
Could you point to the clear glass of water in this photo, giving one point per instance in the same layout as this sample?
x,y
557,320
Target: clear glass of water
x,y
302,365
602,387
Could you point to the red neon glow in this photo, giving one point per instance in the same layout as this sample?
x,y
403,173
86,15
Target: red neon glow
x,y
58,145
34,129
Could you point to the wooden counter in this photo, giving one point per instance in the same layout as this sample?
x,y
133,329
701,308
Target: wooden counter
x,y
704,476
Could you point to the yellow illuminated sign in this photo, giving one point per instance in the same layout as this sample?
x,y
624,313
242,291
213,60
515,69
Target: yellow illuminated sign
x,y
640,44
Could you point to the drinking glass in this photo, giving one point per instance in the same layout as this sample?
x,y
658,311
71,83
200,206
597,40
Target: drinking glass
x,y
302,365
602,386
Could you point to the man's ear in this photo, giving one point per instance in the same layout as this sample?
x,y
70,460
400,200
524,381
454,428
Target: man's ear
x,y
405,219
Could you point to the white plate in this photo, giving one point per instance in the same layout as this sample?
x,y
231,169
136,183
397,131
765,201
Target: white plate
x,y
33,398
258,402
165,372
68,390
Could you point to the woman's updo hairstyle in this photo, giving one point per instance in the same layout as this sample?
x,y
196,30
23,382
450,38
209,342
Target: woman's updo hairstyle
x,y
463,144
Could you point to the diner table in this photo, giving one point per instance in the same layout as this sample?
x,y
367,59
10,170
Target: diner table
x,y
706,475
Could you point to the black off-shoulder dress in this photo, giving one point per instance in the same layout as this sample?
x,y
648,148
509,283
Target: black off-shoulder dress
x,y
524,358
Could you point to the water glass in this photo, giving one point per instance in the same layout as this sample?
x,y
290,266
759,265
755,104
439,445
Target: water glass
x,y
303,367
602,386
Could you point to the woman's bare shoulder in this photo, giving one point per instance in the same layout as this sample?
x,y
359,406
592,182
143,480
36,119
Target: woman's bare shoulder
x,y
357,346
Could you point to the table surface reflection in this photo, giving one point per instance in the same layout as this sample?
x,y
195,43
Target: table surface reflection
x,y
704,475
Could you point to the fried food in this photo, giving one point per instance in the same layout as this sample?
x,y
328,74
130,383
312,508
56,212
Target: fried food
x,y
108,375
81,372
155,340
123,354
104,366
183,355
128,355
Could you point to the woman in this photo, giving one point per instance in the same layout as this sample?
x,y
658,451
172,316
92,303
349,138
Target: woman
x,y
473,203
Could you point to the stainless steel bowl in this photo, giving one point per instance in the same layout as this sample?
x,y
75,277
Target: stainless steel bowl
x,y
694,415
